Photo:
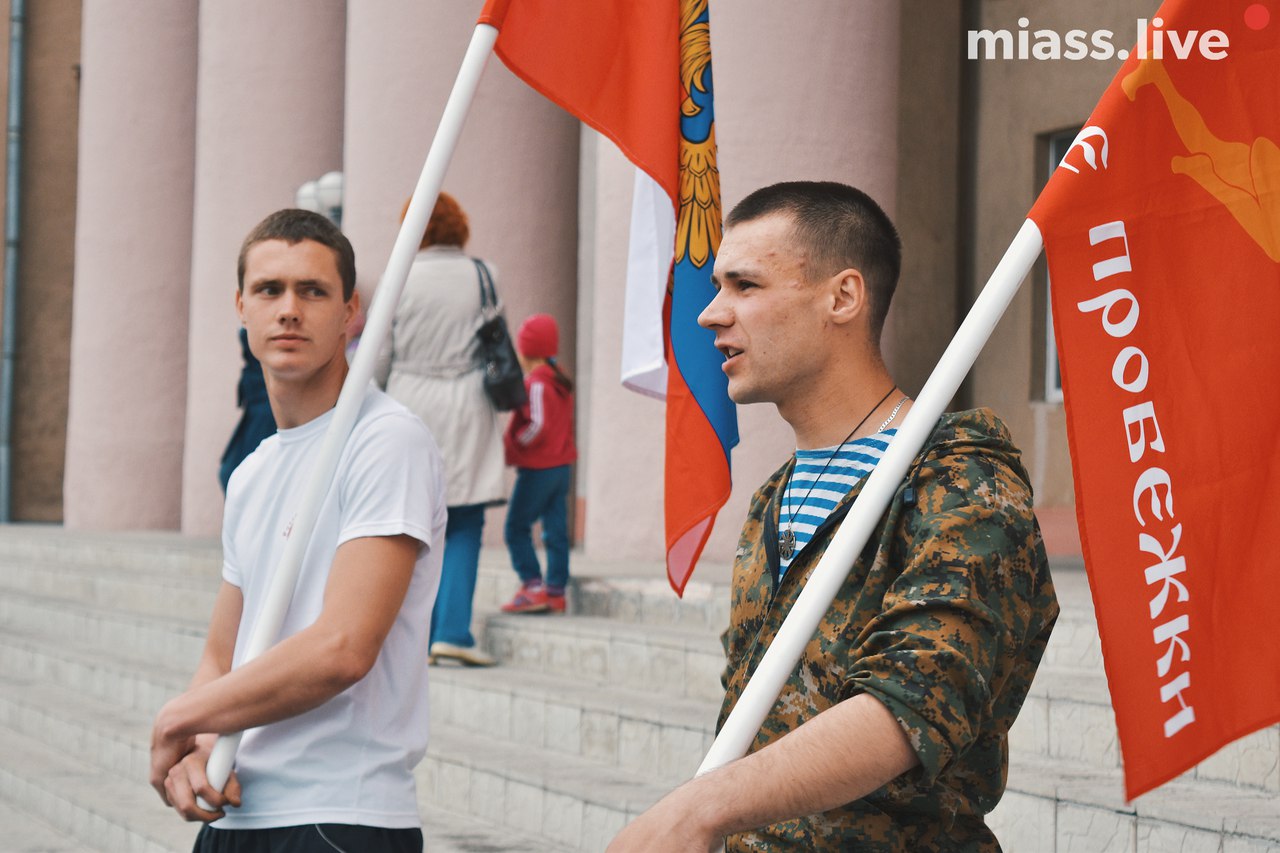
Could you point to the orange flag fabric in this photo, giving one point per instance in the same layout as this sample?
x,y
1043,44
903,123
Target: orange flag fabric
x,y
640,73
1162,232
615,65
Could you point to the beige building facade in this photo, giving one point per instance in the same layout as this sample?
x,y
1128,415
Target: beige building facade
x,y
156,135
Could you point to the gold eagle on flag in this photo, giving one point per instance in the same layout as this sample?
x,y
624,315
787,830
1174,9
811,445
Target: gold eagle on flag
x,y
698,226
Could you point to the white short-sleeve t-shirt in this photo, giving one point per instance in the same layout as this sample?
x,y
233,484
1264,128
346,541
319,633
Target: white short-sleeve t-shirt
x,y
351,759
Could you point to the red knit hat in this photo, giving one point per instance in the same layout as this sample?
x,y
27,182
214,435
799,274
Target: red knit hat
x,y
538,337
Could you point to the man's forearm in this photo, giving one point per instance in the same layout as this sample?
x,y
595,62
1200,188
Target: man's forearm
x,y
300,673
844,753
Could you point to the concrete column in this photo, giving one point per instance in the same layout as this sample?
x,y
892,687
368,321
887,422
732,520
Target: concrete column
x,y
819,104
515,171
51,90
132,258
621,438
926,307
268,119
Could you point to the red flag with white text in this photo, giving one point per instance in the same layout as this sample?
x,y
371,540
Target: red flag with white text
x,y
1162,232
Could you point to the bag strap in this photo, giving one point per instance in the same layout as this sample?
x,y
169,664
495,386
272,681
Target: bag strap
x,y
488,296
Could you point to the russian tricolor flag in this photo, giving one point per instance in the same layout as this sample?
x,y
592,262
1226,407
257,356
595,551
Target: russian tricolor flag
x,y
640,73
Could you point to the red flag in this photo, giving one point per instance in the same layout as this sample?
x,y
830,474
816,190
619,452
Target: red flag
x,y
1162,230
640,73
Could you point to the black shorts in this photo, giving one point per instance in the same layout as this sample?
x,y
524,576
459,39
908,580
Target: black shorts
x,y
311,838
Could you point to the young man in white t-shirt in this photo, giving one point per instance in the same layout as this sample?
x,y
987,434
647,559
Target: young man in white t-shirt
x,y
336,712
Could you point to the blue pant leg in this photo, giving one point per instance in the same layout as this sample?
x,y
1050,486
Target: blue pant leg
x,y
451,619
555,525
527,498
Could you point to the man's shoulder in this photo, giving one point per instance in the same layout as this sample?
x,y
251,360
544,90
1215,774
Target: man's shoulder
x,y
250,468
980,426
378,403
381,413
976,441
970,463
388,437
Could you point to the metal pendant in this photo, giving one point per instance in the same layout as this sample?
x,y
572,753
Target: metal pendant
x,y
787,544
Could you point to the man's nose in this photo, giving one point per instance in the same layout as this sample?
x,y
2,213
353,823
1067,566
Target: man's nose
x,y
715,314
288,307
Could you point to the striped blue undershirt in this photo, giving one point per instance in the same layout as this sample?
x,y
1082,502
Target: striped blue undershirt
x,y
805,514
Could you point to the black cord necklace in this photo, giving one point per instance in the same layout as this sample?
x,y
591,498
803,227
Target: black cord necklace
x,y
787,538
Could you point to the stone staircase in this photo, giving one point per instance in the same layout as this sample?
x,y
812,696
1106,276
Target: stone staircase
x,y
591,717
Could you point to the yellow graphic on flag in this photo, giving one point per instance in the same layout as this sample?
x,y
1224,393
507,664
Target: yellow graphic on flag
x,y
1244,178
698,227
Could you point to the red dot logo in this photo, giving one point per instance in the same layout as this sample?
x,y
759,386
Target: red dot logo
x,y
1257,16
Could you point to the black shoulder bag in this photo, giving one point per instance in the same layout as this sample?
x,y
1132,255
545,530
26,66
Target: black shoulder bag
x,y
494,353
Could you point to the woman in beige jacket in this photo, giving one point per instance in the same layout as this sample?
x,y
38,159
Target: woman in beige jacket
x,y
428,366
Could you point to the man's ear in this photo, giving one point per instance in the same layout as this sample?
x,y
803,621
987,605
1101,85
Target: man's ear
x,y
353,307
240,305
849,297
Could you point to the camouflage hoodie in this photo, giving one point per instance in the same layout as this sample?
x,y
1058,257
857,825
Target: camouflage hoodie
x,y
944,619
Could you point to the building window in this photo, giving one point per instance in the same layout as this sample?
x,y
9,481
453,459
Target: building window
x,y
1048,381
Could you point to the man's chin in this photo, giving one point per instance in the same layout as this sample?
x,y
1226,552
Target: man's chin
x,y
288,370
742,394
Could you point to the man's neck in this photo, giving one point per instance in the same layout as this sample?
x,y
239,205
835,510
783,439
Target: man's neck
x,y
825,419
298,402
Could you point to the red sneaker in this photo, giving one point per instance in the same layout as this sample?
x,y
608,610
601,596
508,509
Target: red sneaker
x,y
531,598
555,603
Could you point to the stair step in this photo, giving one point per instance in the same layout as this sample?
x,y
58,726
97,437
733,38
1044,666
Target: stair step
x,y
95,567
48,784
145,585
664,737
91,805
1074,643
446,832
650,601
115,740
101,673
170,641
671,661
111,737
146,551
26,834
191,567
561,798
139,591
1068,715
1086,805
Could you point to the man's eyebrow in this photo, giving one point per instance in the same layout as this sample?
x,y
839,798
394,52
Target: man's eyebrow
x,y
302,282
733,275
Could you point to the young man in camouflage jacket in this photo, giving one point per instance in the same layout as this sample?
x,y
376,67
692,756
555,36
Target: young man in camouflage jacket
x,y
892,735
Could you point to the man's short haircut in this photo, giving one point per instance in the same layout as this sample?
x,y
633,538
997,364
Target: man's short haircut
x,y
838,227
293,226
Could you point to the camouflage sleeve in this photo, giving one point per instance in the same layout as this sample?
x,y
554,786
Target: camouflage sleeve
x,y
963,559
749,582
726,643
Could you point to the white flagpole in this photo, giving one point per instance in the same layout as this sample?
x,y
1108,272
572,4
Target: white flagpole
x,y
797,629
378,325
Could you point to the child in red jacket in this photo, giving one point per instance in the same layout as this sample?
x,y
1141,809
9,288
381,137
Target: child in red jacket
x,y
539,443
